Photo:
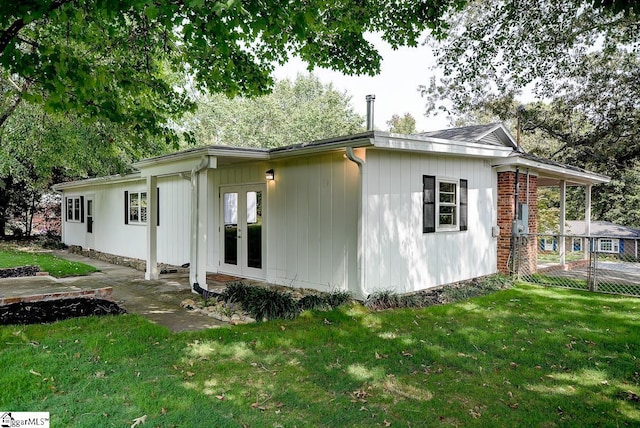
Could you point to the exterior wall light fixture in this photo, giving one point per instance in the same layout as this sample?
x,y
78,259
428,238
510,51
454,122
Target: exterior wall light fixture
x,y
270,175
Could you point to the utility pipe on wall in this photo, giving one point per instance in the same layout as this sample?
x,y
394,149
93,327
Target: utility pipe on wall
x,y
195,218
361,229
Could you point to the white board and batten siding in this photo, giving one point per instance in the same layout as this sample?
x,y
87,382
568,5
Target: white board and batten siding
x,y
313,223
398,255
311,216
111,234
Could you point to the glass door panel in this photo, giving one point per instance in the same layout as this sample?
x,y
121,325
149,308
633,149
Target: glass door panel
x,y
254,229
242,231
230,210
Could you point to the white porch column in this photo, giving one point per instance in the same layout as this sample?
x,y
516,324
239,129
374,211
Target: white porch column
x,y
563,220
587,218
199,223
152,228
202,240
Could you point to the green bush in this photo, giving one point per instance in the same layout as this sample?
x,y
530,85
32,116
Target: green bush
x,y
388,299
268,303
263,303
312,301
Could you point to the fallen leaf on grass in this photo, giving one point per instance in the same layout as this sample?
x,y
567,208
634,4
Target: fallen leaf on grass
x,y
475,413
386,423
258,406
283,328
220,397
407,354
139,421
381,356
33,372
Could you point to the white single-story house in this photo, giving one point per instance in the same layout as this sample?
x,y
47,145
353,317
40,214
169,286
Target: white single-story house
x,y
362,213
608,238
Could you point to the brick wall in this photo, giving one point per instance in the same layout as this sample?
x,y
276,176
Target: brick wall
x,y
506,214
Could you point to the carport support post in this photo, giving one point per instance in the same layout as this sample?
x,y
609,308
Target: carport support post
x,y
563,214
152,228
587,219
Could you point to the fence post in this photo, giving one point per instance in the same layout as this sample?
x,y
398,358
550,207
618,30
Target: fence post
x,y
591,270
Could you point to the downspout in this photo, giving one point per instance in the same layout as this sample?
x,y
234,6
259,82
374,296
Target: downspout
x,y
195,218
360,239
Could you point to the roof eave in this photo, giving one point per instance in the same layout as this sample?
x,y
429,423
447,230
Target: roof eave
x,y
111,179
553,171
425,144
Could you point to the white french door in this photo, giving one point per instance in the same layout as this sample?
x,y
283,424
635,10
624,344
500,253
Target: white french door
x,y
242,231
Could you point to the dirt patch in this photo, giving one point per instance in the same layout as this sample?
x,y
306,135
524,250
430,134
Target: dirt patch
x,y
56,310
19,271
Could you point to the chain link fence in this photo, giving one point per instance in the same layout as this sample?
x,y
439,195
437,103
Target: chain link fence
x,y
602,264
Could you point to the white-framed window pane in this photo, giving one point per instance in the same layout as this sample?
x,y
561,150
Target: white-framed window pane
x,y
76,209
447,216
447,193
70,209
143,207
447,204
134,207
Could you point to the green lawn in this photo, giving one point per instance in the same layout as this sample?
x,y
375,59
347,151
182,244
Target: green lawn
x,y
527,356
46,261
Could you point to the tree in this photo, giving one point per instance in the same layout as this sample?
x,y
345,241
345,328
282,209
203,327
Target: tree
x,y
497,48
31,158
300,111
402,125
581,60
110,59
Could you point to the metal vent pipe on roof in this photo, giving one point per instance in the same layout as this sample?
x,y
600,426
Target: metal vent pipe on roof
x,y
370,100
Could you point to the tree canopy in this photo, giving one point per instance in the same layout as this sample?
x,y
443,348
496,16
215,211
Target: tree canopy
x,y
580,58
300,111
110,59
405,124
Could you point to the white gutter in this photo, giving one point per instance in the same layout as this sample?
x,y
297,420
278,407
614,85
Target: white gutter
x,y
195,218
361,229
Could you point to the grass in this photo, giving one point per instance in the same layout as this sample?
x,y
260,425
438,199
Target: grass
x,y
527,356
47,262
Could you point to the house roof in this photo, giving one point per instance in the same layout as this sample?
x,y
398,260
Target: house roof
x,y
492,134
602,229
492,142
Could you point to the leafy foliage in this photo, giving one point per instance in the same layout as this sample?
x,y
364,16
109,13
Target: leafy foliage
x,y
133,61
402,125
582,60
298,111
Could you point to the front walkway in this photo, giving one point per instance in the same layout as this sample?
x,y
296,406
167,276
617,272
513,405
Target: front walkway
x,y
158,300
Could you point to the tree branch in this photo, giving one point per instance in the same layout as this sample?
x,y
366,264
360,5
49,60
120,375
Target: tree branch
x,y
13,30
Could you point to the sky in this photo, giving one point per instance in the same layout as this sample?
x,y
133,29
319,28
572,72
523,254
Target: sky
x,y
395,88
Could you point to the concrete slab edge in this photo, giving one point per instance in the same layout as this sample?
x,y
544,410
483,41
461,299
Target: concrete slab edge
x,y
105,293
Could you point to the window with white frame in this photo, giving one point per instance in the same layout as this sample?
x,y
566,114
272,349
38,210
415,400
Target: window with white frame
x,y
577,244
444,204
608,245
75,208
137,211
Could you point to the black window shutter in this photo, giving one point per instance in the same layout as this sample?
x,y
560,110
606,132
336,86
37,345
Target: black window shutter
x,y
158,205
81,209
429,203
463,205
126,207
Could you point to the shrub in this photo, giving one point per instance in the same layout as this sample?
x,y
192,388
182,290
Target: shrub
x,y
236,292
266,303
337,298
312,301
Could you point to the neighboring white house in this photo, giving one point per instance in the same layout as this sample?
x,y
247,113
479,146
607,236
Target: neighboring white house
x,y
365,212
